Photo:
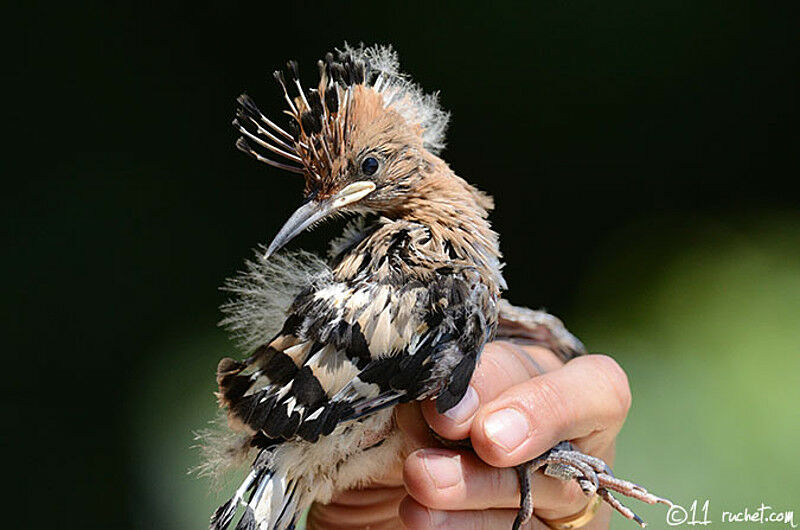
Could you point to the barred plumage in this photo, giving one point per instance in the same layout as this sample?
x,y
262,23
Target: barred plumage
x,y
402,310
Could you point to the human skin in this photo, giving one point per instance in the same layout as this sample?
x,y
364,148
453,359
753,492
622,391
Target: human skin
x,y
585,401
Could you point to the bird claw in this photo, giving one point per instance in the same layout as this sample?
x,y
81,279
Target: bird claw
x,y
566,462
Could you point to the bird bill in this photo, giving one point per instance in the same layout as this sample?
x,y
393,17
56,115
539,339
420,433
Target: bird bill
x,y
315,211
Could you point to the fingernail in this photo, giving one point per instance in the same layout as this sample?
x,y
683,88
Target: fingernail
x,y
465,408
507,428
443,469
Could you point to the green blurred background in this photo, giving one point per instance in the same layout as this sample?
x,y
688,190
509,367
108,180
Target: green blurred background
x,y
644,157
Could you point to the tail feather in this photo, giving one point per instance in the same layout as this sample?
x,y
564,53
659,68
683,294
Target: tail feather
x,y
276,505
248,520
223,517
275,502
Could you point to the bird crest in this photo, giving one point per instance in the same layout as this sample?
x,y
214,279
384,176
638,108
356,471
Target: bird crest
x,y
356,85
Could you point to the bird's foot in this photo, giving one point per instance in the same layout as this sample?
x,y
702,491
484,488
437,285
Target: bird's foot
x,y
566,462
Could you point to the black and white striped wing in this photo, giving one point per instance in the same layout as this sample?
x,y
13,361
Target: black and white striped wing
x,y
349,350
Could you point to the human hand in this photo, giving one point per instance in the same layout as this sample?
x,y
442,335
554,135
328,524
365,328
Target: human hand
x,y
585,401
540,401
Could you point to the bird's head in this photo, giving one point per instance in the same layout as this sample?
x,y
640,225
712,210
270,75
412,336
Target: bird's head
x,y
361,138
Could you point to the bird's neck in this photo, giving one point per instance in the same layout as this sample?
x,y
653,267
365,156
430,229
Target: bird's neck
x,y
457,214
437,195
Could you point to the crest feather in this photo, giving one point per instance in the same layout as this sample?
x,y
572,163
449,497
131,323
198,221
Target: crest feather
x,y
401,93
318,127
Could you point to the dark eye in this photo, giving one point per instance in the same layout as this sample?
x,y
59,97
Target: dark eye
x,y
369,166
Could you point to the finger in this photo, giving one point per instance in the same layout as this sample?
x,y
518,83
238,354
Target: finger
x,y
502,365
458,480
410,421
418,517
367,496
374,508
586,400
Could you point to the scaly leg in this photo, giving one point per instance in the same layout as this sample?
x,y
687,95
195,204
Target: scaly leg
x,y
566,462
525,474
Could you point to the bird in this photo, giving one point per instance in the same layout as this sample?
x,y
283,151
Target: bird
x,y
400,309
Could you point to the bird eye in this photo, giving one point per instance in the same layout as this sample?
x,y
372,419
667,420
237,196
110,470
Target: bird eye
x,y
369,166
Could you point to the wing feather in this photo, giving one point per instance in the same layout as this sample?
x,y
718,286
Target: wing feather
x,y
352,347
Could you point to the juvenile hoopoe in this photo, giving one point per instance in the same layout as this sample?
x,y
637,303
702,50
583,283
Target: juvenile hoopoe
x,y
401,311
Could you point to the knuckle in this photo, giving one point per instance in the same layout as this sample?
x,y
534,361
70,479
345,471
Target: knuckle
x,y
616,379
492,371
497,481
488,362
498,347
525,359
485,519
549,402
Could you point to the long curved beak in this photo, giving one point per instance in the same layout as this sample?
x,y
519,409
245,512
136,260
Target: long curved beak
x,y
314,211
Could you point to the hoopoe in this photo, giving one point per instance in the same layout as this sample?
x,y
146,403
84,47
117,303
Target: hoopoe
x,y
401,311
